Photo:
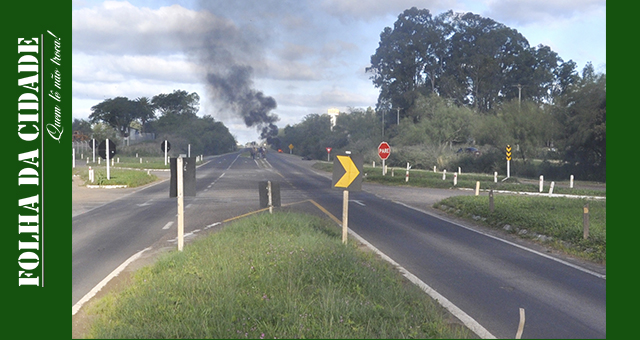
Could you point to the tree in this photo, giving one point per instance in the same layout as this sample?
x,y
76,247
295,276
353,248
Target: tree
x,y
144,111
179,103
118,113
409,58
582,111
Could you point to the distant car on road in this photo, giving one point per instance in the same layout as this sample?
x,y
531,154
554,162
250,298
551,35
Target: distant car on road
x,y
470,150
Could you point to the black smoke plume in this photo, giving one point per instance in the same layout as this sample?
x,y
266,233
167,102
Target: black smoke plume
x,y
234,88
231,47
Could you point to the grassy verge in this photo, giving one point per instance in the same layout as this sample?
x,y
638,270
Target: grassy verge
x,y
130,178
429,179
271,276
557,222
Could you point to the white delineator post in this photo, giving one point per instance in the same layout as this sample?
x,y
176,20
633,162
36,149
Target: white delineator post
x,y
541,182
455,179
571,181
444,174
406,179
74,157
180,175
495,177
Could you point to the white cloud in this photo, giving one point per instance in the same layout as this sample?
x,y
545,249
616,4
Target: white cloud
x,y
524,12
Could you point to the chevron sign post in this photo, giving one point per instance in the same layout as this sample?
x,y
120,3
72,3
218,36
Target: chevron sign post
x,y
347,175
508,161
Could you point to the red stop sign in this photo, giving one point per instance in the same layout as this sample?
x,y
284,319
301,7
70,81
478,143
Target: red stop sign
x,y
384,150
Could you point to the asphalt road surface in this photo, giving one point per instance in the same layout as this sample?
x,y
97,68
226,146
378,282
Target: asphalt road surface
x,y
486,277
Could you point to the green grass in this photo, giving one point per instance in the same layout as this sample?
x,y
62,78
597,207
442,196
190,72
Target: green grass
x,y
271,276
130,178
555,221
429,179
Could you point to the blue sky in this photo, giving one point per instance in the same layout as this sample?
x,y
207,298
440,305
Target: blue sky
x,y
308,55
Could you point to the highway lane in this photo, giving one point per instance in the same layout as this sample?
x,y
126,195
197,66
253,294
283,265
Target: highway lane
x,y
105,237
487,278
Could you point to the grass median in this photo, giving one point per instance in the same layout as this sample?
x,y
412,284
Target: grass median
x,y
554,221
284,275
117,176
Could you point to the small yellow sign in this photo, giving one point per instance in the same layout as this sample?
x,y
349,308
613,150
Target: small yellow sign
x,y
290,146
508,152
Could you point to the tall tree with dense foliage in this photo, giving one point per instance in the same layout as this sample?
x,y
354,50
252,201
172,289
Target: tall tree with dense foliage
x,y
473,60
118,113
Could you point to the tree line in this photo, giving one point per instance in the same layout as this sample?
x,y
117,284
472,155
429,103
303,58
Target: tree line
x,y
170,116
460,79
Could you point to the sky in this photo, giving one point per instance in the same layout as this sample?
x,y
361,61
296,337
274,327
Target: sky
x,y
289,58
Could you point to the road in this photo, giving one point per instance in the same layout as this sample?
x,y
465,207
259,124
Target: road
x,y
488,278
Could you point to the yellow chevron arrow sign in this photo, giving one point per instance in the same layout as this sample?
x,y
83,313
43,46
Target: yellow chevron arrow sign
x,y
346,172
508,152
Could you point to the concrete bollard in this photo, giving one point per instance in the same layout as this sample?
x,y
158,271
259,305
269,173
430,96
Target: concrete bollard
x,y
551,188
455,179
495,177
444,174
434,168
477,188
459,171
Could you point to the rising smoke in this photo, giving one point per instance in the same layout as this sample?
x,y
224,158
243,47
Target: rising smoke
x,y
229,53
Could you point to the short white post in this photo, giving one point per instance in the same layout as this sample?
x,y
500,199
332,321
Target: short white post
x,y
459,171
455,179
91,177
99,160
189,150
406,179
551,188
140,160
118,160
571,181
373,164
495,177
477,188
74,157
434,168
444,174
541,182
392,174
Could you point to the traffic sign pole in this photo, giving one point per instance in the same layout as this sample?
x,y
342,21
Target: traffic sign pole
x,y
180,176
108,173
165,152
345,215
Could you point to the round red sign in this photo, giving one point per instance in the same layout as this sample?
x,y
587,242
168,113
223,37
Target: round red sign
x,y
384,150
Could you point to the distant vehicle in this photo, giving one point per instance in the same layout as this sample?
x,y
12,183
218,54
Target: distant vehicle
x,y
279,150
470,150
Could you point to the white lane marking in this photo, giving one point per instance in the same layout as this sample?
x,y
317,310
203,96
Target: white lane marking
x,y
104,282
168,225
604,277
358,202
145,203
212,225
468,321
238,156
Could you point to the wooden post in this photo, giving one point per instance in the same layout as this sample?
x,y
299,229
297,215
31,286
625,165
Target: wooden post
x,y
585,221
491,206
345,215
